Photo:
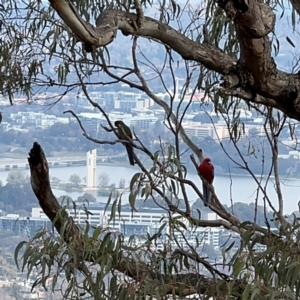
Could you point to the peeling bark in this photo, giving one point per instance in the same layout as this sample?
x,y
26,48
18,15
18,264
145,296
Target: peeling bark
x,y
296,5
90,36
255,18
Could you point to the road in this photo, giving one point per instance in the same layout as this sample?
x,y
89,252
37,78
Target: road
x,y
18,161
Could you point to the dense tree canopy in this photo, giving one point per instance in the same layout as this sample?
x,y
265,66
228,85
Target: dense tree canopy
x,y
225,49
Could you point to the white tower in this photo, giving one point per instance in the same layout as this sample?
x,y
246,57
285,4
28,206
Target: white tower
x,y
91,164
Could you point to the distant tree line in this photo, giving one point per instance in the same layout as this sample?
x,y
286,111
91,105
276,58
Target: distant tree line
x,y
243,211
17,195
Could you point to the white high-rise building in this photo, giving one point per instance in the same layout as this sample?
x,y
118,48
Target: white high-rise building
x,y
91,164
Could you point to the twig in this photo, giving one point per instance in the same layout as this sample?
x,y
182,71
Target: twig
x,y
139,12
101,142
230,189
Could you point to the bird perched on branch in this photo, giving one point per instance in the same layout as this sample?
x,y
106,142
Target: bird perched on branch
x,y
124,132
206,170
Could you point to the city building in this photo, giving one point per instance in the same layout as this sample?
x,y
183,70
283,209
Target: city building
x,y
126,101
134,228
149,215
94,120
91,165
145,221
196,237
80,216
37,119
20,225
198,130
209,216
110,98
98,98
98,216
143,121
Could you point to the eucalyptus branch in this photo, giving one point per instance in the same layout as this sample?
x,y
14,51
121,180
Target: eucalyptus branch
x,y
273,142
196,257
89,137
168,111
245,164
94,104
220,210
177,134
173,95
188,209
139,12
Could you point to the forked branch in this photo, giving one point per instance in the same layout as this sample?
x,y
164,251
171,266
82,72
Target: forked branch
x,y
255,71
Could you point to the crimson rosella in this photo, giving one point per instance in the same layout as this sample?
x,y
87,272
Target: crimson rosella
x,y
206,170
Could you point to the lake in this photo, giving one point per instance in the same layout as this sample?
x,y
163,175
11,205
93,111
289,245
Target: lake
x,y
237,188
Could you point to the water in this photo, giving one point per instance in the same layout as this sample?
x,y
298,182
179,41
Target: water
x,y
238,188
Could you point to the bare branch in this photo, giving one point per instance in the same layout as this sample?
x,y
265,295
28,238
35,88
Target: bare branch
x,y
139,12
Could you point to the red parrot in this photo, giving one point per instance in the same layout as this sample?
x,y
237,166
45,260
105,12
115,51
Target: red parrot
x,y
206,170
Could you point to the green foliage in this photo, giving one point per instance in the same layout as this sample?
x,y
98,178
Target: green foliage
x,y
267,267
104,251
50,255
17,178
15,197
89,198
75,178
103,179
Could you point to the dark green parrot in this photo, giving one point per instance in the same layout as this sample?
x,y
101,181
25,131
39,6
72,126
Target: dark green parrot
x,y
121,129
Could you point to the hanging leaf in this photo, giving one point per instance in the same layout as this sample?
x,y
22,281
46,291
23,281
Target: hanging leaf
x,y
290,41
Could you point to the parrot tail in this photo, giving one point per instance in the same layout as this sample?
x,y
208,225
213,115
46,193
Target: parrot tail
x,y
129,150
206,194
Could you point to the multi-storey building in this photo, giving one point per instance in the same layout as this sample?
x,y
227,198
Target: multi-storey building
x,y
127,222
98,216
198,129
195,237
149,215
143,121
80,216
20,225
38,119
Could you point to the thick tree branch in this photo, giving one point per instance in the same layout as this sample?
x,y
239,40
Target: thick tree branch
x,y
90,36
255,71
40,183
296,5
112,20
